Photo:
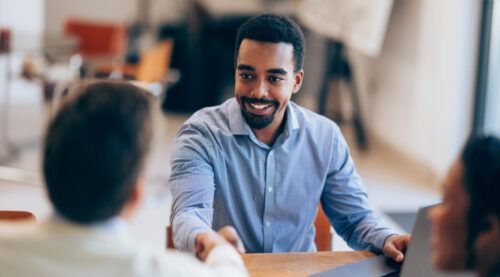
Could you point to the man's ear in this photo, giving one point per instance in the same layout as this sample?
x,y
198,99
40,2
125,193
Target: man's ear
x,y
135,199
298,80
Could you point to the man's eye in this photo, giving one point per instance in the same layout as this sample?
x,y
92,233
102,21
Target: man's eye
x,y
246,76
275,79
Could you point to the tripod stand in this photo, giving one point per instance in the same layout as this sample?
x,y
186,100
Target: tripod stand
x,y
337,70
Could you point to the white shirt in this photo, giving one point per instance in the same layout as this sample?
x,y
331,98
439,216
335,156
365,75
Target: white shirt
x,y
57,247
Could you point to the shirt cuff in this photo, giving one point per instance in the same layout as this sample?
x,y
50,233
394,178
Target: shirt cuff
x,y
192,238
380,242
224,254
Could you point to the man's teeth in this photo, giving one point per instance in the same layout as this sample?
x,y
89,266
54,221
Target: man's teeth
x,y
259,106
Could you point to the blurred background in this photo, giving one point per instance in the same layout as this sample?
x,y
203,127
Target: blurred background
x,y
407,80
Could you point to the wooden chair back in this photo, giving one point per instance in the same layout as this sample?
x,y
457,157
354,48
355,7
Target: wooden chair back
x,y
323,238
97,38
155,62
16,216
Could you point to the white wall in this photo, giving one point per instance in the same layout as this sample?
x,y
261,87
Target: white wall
x,y
492,116
23,103
17,15
23,22
418,94
57,11
122,11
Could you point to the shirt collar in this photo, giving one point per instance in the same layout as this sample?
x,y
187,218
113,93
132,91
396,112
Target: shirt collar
x,y
112,225
238,125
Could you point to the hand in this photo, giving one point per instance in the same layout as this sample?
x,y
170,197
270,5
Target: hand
x,y
205,242
230,234
395,245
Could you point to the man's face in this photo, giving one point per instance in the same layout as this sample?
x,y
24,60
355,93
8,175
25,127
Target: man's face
x,y
449,222
265,81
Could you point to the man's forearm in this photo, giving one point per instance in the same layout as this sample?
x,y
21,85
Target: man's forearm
x,y
370,233
186,226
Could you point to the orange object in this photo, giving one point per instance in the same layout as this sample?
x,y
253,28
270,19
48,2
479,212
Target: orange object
x,y
323,238
152,67
97,38
16,215
5,40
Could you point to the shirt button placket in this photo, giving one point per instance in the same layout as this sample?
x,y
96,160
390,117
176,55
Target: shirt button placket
x,y
268,202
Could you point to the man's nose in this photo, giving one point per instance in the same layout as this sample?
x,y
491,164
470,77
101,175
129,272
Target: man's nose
x,y
260,90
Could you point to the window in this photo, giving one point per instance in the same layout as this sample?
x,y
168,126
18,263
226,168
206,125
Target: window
x,y
487,106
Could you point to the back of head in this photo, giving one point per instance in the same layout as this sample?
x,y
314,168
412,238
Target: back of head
x,y
481,160
95,150
273,28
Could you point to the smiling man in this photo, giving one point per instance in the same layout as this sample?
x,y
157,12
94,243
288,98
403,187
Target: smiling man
x,y
261,163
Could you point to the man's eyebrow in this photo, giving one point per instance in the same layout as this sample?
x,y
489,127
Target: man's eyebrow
x,y
277,71
245,67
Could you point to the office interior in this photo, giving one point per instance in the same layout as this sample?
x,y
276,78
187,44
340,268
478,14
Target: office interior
x,y
421,78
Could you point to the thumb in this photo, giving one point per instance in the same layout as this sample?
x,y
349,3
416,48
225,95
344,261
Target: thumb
x,y
394,253
230,234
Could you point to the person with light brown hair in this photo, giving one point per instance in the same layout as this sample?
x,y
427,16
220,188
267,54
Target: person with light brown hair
x,y
93,162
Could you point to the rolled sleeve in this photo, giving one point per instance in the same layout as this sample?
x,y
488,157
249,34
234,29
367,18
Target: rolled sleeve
x,y
192,187
345,202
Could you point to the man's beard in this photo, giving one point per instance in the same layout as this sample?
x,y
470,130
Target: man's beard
x,y
258,121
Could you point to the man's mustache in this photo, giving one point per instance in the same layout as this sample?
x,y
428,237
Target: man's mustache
x,y
258,100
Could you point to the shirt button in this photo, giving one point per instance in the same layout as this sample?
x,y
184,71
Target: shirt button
x,y
267,224
270,189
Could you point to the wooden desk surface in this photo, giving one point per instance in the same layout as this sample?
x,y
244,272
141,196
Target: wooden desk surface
x,y
299,264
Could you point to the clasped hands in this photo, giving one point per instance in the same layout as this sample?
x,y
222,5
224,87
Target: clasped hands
x,y
206,241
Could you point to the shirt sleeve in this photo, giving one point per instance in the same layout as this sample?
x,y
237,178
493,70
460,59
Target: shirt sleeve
x,y
345,202
192,186
226,261
222,261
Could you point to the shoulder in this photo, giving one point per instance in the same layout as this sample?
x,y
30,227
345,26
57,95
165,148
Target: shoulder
x,y
313,123
211,119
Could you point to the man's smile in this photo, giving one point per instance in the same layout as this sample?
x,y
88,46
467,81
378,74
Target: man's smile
x,y
259,109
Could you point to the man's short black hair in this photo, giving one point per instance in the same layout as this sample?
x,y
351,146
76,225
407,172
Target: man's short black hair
x,y
481,160
95,150
273,28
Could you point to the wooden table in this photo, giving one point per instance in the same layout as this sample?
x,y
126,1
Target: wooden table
x,y
299,264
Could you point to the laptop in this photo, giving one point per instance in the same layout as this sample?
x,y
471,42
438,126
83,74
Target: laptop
x,y
417,261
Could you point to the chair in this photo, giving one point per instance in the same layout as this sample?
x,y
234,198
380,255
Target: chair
x,y
323,237
16,216
98,43
153,65
97,39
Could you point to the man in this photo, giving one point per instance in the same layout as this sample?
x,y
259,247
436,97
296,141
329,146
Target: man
x,y
466,226
262,164
93,161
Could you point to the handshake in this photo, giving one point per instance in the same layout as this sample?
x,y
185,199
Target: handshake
x,y
227,235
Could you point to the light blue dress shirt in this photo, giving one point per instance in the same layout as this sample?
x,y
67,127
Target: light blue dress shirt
x,y
222,175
